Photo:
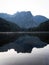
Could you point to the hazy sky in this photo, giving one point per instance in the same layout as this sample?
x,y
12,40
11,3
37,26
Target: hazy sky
x,y
36,57
37,7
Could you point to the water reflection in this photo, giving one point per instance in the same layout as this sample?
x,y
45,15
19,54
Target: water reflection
x,y
26,49
24,43
38,56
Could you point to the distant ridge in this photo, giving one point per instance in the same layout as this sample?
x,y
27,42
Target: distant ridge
x,y
24,19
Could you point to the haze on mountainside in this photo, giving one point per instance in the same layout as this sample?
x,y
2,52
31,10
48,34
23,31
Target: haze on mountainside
x,y
24,19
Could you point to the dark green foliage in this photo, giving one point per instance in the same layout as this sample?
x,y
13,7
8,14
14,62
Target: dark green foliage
x,y
42,27
6,26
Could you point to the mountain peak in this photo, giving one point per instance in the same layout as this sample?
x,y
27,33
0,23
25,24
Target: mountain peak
x,y
23,13
24,19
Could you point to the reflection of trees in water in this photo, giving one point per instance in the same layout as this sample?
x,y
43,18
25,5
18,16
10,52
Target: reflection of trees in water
x,y
7,38
43,37
25,43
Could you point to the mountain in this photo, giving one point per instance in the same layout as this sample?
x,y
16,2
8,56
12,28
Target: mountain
x,y
40,19
6,26
42,27
24,19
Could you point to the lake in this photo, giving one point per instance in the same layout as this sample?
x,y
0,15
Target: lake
x,y
26,49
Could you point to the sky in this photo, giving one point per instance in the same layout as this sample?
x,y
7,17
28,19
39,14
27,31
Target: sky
x,y
37,7
36,57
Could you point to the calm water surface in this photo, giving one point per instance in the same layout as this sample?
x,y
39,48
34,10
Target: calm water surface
x,y
39,54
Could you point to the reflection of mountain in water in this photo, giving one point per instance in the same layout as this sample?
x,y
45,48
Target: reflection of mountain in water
x,y
42,36
24,44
